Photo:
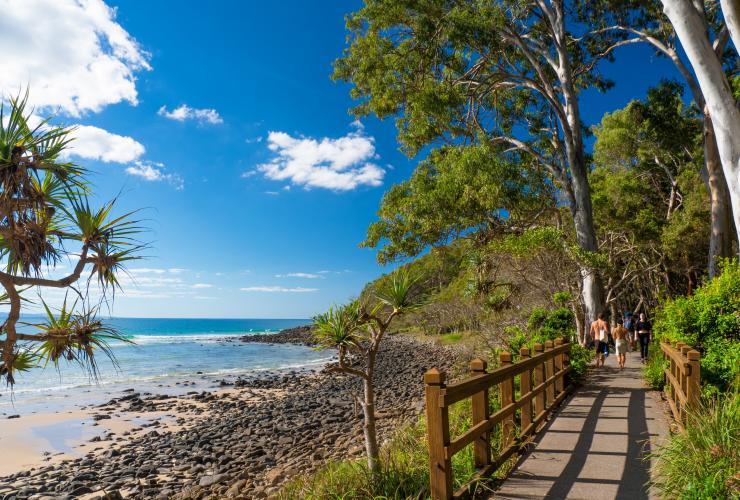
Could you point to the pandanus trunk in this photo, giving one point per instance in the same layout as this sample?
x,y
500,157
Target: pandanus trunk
x,y
371,437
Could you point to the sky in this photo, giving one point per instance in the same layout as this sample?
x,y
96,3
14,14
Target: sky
x,y
221,122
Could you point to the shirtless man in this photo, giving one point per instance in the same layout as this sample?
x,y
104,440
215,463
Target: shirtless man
x,y
600,334
621,334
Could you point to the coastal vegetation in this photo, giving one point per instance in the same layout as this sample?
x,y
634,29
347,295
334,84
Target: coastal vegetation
x,y
516,227
358,329
47,220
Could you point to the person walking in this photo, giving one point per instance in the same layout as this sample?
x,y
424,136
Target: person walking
x,y
621,335
643,329
628,324
600,333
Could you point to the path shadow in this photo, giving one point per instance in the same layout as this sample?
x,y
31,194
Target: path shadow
x,y
620,468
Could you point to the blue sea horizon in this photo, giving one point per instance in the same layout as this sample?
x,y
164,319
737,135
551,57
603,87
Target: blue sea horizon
x,y
165,353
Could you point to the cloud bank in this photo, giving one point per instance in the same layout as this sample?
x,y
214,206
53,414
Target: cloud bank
x,y
72,54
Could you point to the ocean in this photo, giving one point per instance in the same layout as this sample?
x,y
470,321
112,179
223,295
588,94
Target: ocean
x,y
165,353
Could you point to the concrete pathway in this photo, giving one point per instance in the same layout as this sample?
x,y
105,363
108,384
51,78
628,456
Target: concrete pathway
x,y
596,445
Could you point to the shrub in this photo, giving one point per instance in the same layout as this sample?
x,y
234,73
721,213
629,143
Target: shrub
x,y
710,322
654,369
704,460
580,358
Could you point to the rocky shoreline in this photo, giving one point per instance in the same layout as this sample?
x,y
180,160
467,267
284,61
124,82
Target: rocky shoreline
x,y
240,442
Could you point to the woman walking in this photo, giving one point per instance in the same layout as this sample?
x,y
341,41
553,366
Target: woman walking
x,y
621,334
600,333
643,328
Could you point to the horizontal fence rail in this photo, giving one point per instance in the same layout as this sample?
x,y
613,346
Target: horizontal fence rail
x,y
542,385
682,378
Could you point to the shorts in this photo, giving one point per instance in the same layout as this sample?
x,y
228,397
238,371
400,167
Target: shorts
x,y
621,346
602,347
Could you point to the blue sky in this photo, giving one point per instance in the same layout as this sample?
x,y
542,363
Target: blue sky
x,y
221,120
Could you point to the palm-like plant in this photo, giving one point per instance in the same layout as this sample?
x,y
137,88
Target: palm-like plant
x,y
45,217
359,328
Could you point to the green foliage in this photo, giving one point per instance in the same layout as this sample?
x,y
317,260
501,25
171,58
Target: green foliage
x,y
654,368
562,299
456,189
47,218
580,358
709,320
339,327
704,460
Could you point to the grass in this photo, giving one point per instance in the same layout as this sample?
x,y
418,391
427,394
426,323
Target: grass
x,y
405,463
450,338
704,460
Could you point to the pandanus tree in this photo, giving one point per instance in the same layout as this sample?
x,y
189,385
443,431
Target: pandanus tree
x,y
46,220
356,330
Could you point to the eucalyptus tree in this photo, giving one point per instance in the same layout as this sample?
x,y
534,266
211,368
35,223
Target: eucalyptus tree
x,y
689,19
650,205
645,22
459,190
45,220
503,73
356,330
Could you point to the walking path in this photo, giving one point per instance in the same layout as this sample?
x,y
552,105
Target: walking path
x,y
595,446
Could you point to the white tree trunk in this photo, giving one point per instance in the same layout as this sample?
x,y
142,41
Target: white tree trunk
x,y
691,30
722,230
731,13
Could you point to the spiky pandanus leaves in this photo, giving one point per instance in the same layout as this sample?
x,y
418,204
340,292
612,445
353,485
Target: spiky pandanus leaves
x,y
45,217
340,326
76,337
398,292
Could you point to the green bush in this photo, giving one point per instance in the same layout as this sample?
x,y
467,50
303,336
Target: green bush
x,y
654,368
580,358
703,462
710,322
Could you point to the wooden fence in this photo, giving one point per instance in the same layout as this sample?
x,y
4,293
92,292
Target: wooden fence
x,y
542,386
682,378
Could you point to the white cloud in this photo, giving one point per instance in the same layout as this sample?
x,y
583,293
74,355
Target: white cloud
x,y
97,144
339,164
154,172
309,276
146,270
201,285
185,112
278,289
72,54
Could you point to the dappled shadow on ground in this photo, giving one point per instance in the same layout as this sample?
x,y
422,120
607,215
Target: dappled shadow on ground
x,y
596,446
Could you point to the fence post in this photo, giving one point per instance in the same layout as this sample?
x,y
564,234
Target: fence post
x,y
525,386
684,379
558,367
693,384
665,379
507,397
438,436
549,370
482,445
539,377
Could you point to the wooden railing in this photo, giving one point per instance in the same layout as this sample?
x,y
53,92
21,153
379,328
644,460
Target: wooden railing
x,y
542,385
682,378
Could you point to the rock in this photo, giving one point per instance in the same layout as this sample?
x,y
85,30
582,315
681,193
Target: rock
x,y
211,480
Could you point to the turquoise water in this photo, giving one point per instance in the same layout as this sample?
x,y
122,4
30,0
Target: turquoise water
x,y
165,353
